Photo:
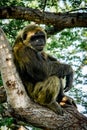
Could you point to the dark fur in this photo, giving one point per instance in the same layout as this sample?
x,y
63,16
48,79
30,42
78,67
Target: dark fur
x,y
40,73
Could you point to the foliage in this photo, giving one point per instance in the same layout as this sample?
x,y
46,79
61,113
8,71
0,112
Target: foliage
x,y
6,121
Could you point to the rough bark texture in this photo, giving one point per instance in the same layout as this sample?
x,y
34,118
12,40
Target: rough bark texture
x,y
60,20
12,82
26,110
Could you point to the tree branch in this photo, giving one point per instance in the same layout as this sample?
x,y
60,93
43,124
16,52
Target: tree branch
x,y
59,20
11,80
26,110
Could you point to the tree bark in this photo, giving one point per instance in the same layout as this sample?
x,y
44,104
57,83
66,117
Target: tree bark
x,y
28,111
59,20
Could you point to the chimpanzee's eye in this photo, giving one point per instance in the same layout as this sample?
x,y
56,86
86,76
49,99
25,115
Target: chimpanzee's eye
x,y
35,37
24,36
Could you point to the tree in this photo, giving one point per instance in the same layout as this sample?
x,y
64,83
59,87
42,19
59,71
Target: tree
x,y
34,113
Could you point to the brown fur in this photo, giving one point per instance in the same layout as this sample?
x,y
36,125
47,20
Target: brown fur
x,y
40,73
